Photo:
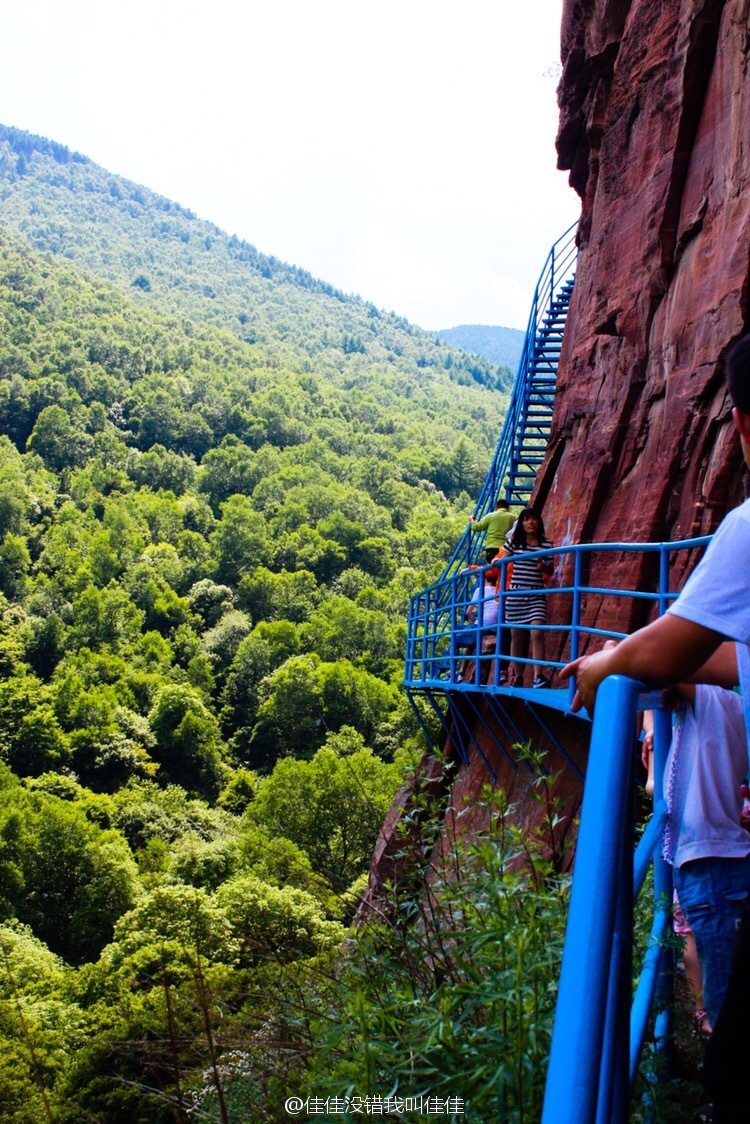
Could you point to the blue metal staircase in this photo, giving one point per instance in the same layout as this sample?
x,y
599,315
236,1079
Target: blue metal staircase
x,y
539,385
523,440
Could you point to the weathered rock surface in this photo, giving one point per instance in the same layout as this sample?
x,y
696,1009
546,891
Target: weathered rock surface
x,y
655,129
452,793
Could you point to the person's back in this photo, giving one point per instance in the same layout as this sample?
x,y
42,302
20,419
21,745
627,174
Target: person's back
x,y
706,765
497,524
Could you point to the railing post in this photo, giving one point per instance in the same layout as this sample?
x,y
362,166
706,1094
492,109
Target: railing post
x,y
614,1076
578,1035
576,613
663,893
663,578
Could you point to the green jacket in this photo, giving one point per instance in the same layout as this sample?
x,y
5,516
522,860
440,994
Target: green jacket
x,y
497,525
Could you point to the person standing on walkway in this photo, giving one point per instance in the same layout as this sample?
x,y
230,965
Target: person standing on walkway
x,y
497,524
526,607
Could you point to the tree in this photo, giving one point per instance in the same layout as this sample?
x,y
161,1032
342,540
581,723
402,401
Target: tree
x,y
222,641
306,698
232,469
188,742
55,439
290,596
240,542
332,807
271,922
31,737
105,617
340,629
77,878
163,470
15,563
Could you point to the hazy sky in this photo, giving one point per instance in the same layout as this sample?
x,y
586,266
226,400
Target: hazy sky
x,y
402,150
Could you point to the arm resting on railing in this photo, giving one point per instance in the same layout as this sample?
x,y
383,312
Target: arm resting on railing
x,y
669,650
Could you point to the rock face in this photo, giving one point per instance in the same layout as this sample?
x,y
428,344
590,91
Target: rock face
x,y
655,129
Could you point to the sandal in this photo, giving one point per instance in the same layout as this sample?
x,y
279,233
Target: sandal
x,y
701,1026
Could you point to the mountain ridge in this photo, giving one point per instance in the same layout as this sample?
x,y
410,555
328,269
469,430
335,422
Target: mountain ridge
x,y
193,266
500,345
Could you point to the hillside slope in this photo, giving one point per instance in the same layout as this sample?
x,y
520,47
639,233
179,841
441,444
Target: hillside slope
x,y
500,345
64,203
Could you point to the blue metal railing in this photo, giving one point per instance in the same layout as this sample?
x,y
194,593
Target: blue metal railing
x,y
598,1036
576,611
600,1026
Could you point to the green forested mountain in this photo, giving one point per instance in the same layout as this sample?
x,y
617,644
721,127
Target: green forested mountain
x,y
63,203
502,346
220,481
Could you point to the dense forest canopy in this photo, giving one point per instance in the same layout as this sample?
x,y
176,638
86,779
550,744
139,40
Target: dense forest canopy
x,y
63,203
220,482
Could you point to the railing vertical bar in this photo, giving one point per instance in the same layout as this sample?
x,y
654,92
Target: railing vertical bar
x,y
618,1048
418,716
663,578
576,613
578,1033
663,896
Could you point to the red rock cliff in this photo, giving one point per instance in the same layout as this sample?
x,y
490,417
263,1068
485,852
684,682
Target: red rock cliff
x,y
655,129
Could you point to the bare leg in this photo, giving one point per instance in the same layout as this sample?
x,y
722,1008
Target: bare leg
x,y
518,647
537,650
695,983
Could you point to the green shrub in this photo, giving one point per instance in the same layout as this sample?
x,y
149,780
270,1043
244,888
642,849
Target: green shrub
x,y
453,993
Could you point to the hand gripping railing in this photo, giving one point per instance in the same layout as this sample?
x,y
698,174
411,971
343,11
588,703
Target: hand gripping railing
x,y
598,1036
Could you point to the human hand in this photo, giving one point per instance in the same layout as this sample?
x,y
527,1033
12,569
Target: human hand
x,y
647,747
589,671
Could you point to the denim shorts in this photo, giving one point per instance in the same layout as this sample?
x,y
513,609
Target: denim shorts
x,y
712,892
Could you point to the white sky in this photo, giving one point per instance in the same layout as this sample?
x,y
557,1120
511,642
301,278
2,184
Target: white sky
x,y
402,150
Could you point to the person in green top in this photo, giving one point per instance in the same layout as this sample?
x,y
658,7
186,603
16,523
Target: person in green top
x,y
497,524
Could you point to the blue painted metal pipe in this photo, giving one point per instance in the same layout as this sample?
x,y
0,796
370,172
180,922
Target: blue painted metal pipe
x,y
579,1030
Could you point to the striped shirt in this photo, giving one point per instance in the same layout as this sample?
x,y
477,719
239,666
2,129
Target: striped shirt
x,y
526,572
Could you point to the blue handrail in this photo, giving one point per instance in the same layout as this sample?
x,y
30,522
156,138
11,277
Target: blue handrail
x,y
438,612
598,1036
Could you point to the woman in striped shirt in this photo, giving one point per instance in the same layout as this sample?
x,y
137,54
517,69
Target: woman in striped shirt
x,y
527,608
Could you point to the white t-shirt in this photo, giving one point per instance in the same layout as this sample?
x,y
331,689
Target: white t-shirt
x,y
489,606
717,593
703,784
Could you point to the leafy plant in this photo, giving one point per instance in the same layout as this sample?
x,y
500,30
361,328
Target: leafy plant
x,y
451,991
